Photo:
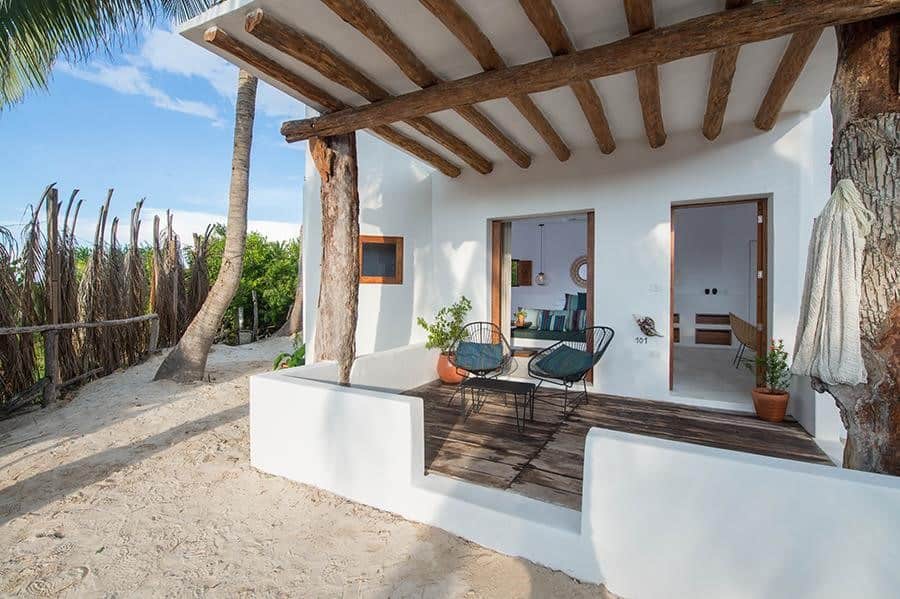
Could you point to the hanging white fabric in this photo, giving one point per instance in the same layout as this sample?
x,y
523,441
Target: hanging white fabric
x,y
828,338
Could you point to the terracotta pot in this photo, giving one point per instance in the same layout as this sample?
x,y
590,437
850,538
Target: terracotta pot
x,y
520,320
447,371
770,406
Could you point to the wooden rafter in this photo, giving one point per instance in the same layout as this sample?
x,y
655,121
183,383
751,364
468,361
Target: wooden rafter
x,y
365,20
757,22
720,82
795,57
549,25
464,28
319,98
639,14
329,64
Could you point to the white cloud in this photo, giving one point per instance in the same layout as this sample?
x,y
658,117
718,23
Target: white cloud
x,y
130,80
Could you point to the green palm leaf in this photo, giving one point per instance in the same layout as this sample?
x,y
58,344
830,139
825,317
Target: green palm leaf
x,y
35,33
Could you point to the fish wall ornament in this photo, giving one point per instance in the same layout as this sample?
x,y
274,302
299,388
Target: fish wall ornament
x,y
647,326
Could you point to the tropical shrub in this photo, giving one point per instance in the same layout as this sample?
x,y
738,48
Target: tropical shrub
x,y
448,325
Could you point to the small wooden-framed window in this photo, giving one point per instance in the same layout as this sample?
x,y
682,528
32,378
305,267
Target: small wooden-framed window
x,y
380,260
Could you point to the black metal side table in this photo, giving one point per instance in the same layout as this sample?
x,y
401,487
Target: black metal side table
x,y
479,386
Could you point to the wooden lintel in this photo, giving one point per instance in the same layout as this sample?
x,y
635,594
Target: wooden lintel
x,y
313,53
361,17
546,20
795,57
319,99
466,30
759,21
639,14
720,82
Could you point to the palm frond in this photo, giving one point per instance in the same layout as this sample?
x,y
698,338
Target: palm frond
x,y
33,35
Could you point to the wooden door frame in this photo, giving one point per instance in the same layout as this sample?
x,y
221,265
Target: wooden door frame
x,y
762,264
496,242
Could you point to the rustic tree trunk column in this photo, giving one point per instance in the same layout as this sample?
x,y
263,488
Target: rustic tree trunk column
x,y
335,159
866,111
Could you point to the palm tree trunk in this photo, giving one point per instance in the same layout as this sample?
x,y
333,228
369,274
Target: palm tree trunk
x,y
187,361
866,111
335,159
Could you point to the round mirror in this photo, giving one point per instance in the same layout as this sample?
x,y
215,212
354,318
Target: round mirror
x,y
579,271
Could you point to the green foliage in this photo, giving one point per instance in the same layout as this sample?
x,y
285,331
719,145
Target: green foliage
x,y
775,365
270,268
295,358
448,325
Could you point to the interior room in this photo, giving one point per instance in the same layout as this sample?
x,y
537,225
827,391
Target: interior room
x,y
548,286
715,300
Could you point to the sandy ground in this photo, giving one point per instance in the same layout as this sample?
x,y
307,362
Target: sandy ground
x,y
138,488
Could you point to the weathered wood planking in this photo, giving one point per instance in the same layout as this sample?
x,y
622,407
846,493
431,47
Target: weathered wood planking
x,y
546,461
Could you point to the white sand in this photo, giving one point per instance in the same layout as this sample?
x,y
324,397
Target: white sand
x,y
136,488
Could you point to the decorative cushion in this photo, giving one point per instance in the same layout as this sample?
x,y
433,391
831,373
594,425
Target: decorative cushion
x,y
579,320
571,302
582,300
566,362
554,320
478,357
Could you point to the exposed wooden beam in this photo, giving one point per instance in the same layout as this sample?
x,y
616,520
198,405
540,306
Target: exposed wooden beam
x,y
720,82
315,54
639,14
795,57
361,17
319,98
461,25
549,25
760,21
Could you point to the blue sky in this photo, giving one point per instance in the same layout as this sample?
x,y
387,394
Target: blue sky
x,y
153,120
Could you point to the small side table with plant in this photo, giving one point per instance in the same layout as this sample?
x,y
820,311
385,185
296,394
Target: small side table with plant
x,y
770,402
443,332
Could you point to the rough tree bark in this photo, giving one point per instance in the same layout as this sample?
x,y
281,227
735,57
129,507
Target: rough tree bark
x,y
866,110
187,361
335,159
294,322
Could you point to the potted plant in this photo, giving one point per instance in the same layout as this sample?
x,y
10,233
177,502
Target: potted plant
x,y
771,401
443,332
520,317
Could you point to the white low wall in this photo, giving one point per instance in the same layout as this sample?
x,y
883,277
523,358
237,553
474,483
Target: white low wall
x,y
659,518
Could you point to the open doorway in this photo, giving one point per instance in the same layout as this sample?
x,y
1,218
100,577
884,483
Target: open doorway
x,y
542,270
718,298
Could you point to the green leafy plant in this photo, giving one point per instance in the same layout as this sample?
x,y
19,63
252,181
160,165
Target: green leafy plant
x,y
448,325
777,373
295,358
521,313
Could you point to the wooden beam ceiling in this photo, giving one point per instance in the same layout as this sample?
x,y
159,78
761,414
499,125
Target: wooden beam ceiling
x,y
329,64
318,98
795,57
361,17
720,82
461,25
639,14
546,20
759,21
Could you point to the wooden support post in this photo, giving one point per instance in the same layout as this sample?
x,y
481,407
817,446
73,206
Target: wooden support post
x,y
51,367
254,334
154,336
335,160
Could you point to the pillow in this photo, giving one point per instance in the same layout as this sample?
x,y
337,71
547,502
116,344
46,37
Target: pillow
x,y
579,320
571,301
566,362
478,357
582,301
554,320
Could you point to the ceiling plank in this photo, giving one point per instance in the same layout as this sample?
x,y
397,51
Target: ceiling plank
x,y
461,25
329,64
760,21
795,58
546,20
720,82
361,17
319,99
639,14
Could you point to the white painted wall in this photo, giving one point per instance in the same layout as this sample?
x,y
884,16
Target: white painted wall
x,y
564,241
712,251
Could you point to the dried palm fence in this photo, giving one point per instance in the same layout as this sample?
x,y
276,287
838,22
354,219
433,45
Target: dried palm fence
x,y
59,327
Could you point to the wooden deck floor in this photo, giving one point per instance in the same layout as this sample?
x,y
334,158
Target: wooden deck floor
x,y
545,462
